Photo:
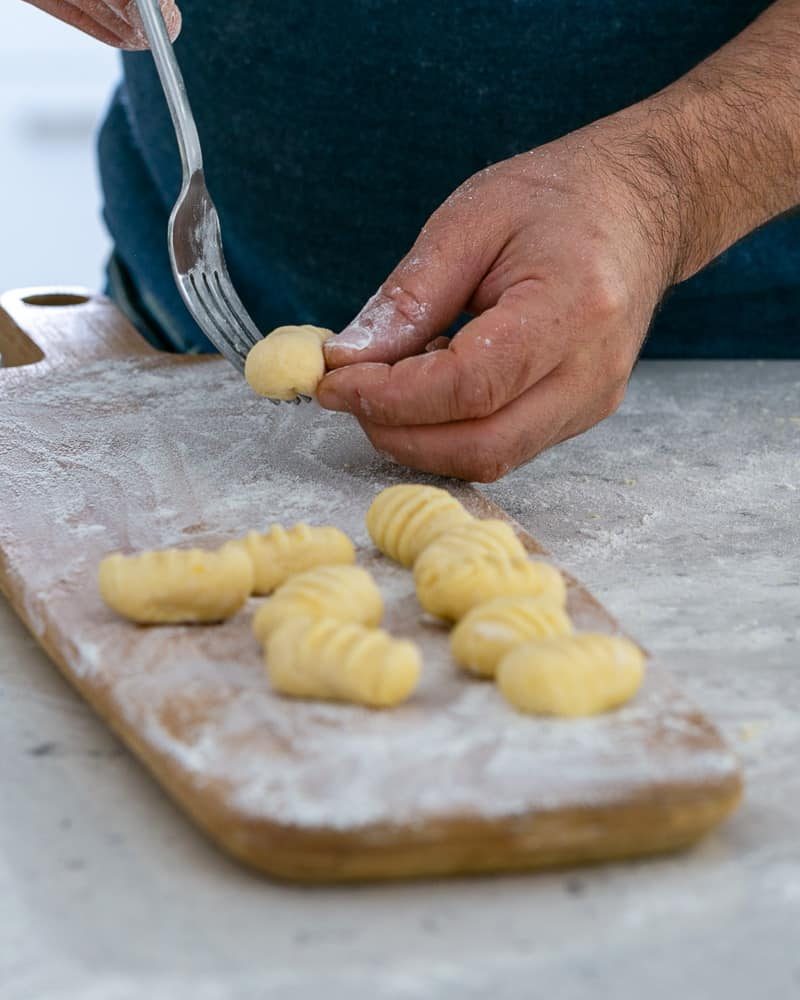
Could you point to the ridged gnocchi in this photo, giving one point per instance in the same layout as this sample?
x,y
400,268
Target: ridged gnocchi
x,y
287,362
449,588
571,675
474,538
341,661
403,520
278,554
345,593
484,635
174,586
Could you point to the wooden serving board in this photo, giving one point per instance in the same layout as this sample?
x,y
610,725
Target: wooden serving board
x,y
106,444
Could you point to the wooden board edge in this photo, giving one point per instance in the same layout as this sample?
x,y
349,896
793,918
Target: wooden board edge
x,y
585,836
644,826
47,328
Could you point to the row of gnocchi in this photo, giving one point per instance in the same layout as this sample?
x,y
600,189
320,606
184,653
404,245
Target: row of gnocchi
x,y
509,611
319,624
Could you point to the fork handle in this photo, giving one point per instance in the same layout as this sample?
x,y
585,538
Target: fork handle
x,y
174,88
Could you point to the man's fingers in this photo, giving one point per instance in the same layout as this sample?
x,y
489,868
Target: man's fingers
x,y
130,11
114,22
484,450
424,295
393,324
491,361
76,15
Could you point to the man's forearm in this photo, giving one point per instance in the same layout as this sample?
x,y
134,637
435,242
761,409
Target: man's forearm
x,y
717,153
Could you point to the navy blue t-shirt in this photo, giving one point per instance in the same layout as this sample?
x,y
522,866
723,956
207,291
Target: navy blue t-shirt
x,y
332,130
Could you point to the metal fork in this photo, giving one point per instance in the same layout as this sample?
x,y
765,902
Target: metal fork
x,y
194,236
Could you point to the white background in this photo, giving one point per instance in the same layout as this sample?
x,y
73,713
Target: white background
x,y
54,86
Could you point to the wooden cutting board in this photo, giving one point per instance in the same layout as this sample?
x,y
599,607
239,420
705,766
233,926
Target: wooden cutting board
x,y
106,444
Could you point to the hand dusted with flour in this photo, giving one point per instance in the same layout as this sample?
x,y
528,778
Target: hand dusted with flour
x,y
561,254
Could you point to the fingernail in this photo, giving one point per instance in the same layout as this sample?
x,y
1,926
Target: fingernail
x,y
331,400
174,23
373,323
330,349
439,344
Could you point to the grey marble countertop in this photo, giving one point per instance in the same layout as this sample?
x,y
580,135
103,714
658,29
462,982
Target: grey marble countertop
x,y
681,513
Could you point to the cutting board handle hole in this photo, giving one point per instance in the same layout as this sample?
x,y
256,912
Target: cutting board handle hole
x,y
55,299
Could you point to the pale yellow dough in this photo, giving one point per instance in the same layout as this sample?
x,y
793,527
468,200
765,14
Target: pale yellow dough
x,y
341,661
474,538
403,520
484,635
346,593
571,675
449,587
176,585
287,362
278,554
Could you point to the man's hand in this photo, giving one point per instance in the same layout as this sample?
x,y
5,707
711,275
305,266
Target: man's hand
x,y
561,261
561,256
115,22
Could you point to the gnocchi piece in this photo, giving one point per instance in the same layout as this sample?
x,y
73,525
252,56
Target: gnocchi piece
x,y
176,585
402,520
346,593
475,538
571,675
484,635
287,362
278,554
341,661
449,588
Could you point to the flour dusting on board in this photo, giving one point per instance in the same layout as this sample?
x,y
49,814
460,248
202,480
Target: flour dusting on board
x,y
143,454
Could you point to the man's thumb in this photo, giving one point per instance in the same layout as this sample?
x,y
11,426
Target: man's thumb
x,y
419,300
